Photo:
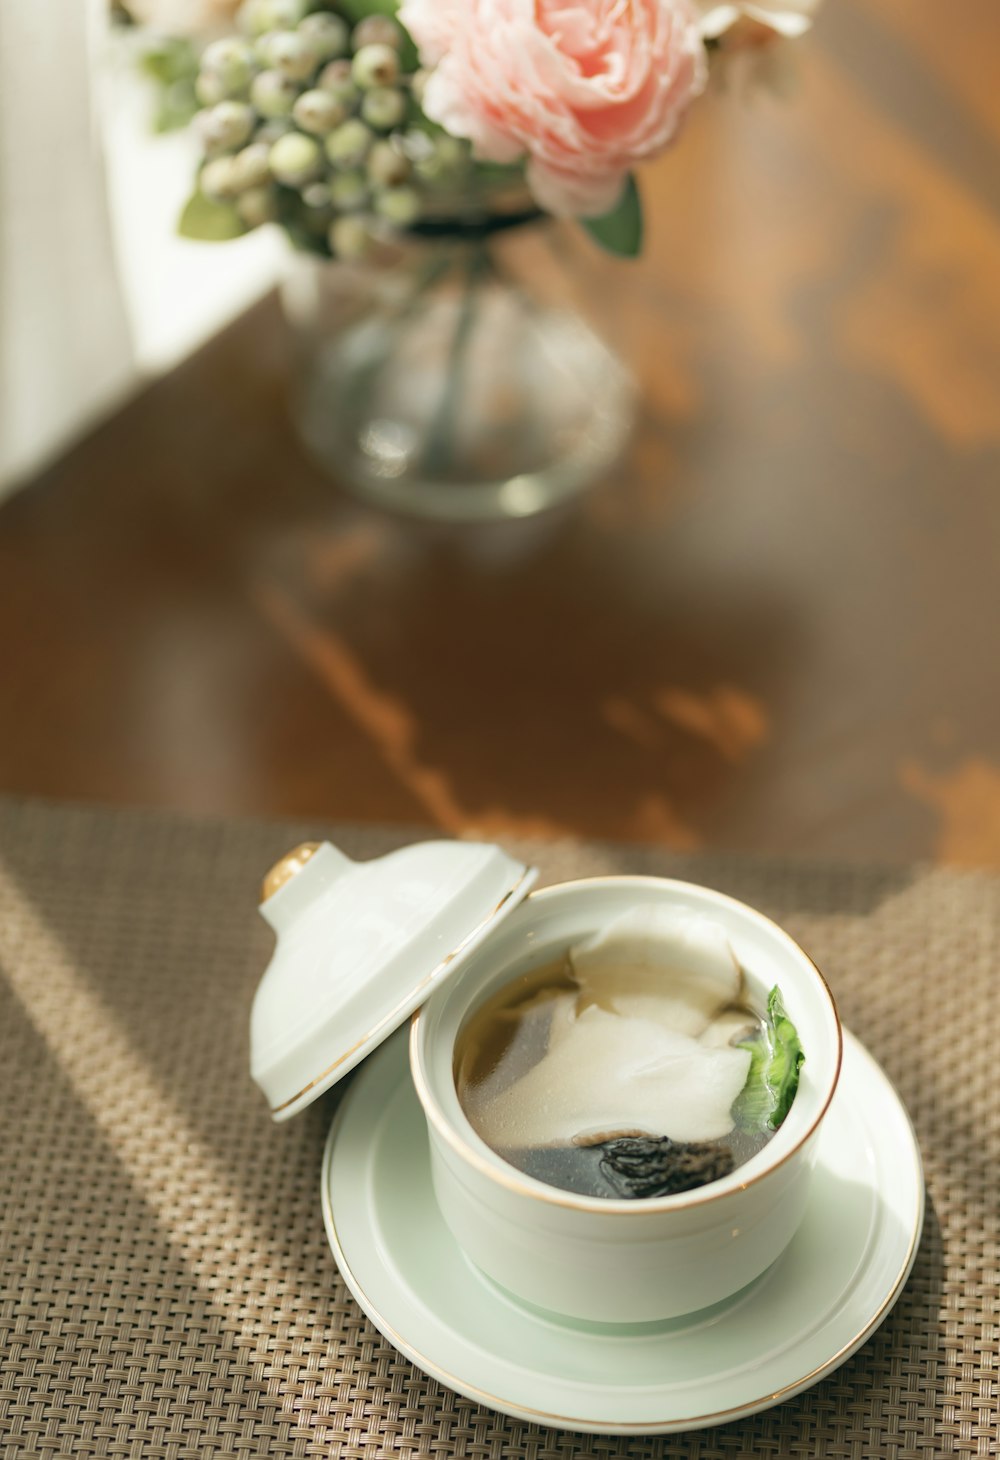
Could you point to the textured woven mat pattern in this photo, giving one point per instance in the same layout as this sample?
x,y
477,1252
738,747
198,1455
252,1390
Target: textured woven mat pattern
x,y
166,1290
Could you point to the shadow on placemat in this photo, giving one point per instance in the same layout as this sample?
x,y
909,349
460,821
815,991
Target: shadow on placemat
x,y
167,1286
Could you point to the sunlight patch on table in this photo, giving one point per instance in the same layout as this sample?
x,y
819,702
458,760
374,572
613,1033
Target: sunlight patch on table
x,y
731,721
966,801
201,1217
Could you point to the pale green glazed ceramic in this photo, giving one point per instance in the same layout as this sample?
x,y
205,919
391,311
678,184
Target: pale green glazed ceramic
x,y
832,1286
624,1261
359,946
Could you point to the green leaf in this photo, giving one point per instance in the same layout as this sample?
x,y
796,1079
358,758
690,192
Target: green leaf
x,y
166,60
209,222
176,105
356,10
620,231
773,1078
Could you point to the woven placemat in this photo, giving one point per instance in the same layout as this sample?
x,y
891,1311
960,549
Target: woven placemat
x,y
167,1289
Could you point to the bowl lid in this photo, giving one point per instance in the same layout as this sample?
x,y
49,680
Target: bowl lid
x,y
361,945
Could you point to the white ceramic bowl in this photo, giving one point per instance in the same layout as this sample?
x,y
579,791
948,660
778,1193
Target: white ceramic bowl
x,y
623,1261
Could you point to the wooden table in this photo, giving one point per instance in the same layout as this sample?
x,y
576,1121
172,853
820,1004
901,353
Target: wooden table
x,y
774,628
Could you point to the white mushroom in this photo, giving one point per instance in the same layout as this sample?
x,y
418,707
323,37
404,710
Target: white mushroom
x,y
644,1045
730,1027
609,1074
655,963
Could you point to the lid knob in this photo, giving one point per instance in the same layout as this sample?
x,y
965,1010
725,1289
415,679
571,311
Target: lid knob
x,y
287,867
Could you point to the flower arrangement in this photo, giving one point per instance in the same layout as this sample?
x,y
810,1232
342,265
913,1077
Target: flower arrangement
x,y
348,122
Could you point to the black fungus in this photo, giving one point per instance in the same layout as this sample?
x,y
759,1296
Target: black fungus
x,y
646,1166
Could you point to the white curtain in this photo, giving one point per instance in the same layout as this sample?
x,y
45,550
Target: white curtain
x,y
65,351
96,289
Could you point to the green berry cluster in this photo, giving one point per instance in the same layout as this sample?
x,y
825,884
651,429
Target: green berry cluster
x,y
315,124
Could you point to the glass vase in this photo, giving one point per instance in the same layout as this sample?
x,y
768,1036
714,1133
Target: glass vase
x,y
459,378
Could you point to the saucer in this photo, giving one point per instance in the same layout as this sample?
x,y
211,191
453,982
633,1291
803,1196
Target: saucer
x,y
827,1293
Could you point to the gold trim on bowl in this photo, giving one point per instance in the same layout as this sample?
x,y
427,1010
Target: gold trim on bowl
x,y
471,1148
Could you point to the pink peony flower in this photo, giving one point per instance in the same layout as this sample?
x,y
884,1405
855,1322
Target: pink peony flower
x,y
585,88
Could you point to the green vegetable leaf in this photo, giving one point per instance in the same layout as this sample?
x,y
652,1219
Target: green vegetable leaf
x,y
620,231
209,222
775,1060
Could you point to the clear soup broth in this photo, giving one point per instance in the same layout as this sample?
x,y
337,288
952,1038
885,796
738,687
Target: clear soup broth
x,y
529,1063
